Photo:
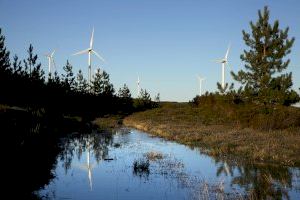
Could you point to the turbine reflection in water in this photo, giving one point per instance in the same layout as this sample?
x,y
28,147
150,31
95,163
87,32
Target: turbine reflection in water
x,y
88,166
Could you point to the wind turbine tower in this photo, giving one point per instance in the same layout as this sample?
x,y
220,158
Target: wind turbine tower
x,y
224,62
90,51
200,84
50,60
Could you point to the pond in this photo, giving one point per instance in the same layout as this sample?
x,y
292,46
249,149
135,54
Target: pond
x,y
130,164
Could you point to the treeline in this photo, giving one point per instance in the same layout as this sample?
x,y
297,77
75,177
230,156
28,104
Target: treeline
x,y
23,84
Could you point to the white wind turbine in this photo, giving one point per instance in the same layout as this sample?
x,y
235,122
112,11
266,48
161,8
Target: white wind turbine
x,y
200,84
138,86
50,60
90,51
224,62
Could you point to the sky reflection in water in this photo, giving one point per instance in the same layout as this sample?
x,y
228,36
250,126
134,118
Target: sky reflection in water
x,y
100,166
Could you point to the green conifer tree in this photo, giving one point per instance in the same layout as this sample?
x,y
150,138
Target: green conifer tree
x,y
101,84
126,101
81,83
35,71
124,92
4,57
263,80
68,78
5,70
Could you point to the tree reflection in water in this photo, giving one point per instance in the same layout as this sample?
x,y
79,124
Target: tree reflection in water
x,y
94,144
260,181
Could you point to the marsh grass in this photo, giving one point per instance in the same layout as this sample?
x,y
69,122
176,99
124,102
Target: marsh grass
x,y
108,122
250,132
153,155
198,187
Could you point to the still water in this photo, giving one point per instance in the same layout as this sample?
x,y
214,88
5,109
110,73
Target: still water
x,y
131,164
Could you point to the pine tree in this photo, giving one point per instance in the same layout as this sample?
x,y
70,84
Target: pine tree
x,y
68,77
221,89
5,71
17,66
35,71
263,81
124,92
143,101
4,57
126,101
55,82
101,84
81,83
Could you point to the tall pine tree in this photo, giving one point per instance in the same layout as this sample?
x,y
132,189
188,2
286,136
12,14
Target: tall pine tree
x,y
81,84
126,101
4,57
68,78
5,69
101,84
124,92
263,80
35,71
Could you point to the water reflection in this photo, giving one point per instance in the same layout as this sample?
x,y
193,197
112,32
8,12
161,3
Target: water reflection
x,y
177,172
260,181
95,144
30,152
88,167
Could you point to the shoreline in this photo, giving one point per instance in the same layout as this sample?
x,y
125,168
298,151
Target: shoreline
x,y
254,146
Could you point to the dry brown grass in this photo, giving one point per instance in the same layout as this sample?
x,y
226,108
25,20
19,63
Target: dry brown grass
x,y
153,155
183,123
108,122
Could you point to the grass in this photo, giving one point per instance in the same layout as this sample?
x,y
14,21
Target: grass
x,y
242,132
108,122
153,155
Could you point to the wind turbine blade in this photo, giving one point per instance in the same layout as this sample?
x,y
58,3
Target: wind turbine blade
x,y
98,56
218,61
81,52
52,53
92,39
227,52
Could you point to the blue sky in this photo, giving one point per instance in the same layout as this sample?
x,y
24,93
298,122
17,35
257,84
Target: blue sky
x,y
165,42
